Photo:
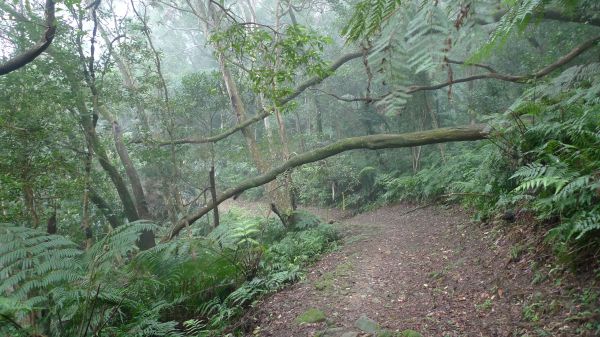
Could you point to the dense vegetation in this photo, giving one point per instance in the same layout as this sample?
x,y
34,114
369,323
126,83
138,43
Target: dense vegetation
x,y
123,126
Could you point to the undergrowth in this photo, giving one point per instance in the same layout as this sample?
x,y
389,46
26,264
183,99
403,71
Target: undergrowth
x,y
192,286
544,163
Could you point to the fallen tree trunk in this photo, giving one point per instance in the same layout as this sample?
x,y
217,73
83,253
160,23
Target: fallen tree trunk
x,y
373,142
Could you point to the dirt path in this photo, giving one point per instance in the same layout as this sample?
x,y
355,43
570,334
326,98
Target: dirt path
x,y
431,271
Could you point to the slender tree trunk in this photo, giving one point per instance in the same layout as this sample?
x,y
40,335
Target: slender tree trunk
x,y
29,194
213,194
141,205
435,124
240,111
318,117
275,193
51,224
85,218
87,125
136,185
268,131
29,197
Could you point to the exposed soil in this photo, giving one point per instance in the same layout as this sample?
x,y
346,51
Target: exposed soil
x,y
431,270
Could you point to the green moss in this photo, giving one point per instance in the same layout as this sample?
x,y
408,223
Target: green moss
x,y
328,281
311,315
410,333
325,282
385,333
366,324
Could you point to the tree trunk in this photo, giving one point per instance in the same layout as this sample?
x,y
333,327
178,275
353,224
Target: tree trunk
x,y
213,194
29,197
240,111
134,180
318,117
278,197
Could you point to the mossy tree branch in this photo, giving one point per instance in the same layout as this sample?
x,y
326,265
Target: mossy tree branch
x,y
372,142
30,54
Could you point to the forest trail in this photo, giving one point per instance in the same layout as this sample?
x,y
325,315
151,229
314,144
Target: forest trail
x,y
431,270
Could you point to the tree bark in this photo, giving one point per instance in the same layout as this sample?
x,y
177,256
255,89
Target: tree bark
x,y
30,204
240,111
141,204
374,142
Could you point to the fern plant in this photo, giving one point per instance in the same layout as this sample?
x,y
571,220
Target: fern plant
x,y
519,14
562,179
412,43
368,18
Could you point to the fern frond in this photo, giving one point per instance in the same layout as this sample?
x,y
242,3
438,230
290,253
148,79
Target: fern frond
x,y
31,261
368,18
517,17
585,224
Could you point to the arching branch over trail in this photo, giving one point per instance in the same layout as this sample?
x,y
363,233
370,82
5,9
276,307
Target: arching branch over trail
x,y
578,50
35,51
556,15
491,74
373,142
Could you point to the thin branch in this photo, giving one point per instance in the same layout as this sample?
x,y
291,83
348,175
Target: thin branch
x,y
318,79
89,321
516,78
549,14
484,66
492,74
355,99
225,11
37,49
556,15
256,24
175,7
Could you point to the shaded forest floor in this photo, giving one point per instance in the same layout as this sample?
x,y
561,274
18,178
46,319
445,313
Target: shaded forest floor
x,y
431,270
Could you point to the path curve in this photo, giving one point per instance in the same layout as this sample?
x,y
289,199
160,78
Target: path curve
x,y
431,270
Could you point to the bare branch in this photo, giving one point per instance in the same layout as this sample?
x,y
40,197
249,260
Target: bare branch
x,y
516,78
354,99
412,89
550,14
